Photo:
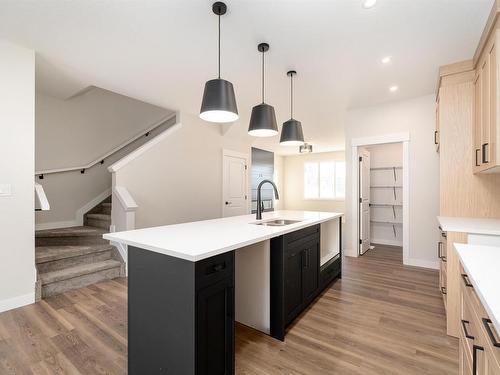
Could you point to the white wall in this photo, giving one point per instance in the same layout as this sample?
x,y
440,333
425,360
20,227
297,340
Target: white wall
x,y
415,116
77,131
293,180
17,167
180,178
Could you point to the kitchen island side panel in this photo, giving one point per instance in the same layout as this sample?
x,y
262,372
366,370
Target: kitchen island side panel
x,y
161,314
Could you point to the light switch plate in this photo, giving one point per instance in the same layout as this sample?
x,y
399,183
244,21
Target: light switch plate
x,y
5,190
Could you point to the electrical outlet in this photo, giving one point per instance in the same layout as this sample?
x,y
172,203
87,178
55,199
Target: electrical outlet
x,y
5,190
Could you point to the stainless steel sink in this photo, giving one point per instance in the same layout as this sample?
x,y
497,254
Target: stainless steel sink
x,y
277,222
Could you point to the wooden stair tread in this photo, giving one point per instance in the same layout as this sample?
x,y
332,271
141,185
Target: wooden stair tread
x,y
99,216
45,254
72,272
106,204
71,232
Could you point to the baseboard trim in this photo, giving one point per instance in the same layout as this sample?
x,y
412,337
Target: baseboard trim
x,y
15,302
422,263
56,224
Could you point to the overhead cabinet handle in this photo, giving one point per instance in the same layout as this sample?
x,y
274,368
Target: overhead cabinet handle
x,y
435,137
494,341
466,281
485,154
475,348
466,333
443,290
478,153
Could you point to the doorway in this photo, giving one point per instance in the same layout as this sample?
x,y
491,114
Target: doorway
x,y
380,191
234,183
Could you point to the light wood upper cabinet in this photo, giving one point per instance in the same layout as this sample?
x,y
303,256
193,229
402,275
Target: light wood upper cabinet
x,y
436,132
485,151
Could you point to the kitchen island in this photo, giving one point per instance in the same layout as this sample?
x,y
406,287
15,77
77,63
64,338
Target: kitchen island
x,y
189,282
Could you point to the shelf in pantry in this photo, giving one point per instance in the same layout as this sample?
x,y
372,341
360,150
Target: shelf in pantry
x,y
386,222
384,168
386,187
385,205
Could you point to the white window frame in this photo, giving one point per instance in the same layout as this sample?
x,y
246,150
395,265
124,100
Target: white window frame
x,y
319,198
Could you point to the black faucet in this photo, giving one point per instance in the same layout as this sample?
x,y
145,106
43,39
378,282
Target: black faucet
x,y
259,199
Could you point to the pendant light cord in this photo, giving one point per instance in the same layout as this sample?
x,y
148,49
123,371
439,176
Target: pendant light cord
x,y
263,83
291,95
219,46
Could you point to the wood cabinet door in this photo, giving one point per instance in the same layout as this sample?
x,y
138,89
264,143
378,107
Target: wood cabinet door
x,y
310,271
478,115
293,283
493,107
215,329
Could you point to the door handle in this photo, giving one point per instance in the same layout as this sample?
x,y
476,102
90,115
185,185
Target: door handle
x,y
228,203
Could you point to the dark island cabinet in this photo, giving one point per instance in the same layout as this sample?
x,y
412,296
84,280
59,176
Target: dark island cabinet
x,y
180,314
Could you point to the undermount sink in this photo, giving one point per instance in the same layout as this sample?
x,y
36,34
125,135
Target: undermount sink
x,y
277,222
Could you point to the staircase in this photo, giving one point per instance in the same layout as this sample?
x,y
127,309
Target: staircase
x,y
71,258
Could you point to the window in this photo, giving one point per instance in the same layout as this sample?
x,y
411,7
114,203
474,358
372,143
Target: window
x,y
324,180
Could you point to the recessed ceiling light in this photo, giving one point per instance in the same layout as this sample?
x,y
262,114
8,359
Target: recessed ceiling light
x,y
393,88
386,60
367,4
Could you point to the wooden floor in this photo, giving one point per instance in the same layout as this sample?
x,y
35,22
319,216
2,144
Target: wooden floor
x,y
381,318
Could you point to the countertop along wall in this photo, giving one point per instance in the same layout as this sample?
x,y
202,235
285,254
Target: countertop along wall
x,y
293,181
417,117
17,166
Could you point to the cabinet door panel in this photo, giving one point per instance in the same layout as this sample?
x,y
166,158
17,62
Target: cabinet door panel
x,y
215,329
310,271
293,283
478,115
493,106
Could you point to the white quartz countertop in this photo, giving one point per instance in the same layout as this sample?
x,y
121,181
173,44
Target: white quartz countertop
x,y
202,239
470,225
481,265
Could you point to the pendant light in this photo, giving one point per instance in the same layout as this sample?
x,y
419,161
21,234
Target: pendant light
x,y
291,133
263,119
219,103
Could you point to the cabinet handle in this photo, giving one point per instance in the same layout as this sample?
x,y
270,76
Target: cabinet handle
x,y
485,153
443,290
486,323
440,246
216,268
466,281
466,333
435,137
478,152
475,348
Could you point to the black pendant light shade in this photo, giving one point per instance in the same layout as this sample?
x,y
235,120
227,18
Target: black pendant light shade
x,y
291,133
219,102
263,119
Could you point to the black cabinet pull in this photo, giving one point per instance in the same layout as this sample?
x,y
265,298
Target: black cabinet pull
x,y
216,268
435,137
466,281
484,152
478,152
486,323
443,290
466,333
475,348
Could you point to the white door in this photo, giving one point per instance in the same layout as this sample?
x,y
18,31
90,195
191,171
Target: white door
x,y
234,185
364,201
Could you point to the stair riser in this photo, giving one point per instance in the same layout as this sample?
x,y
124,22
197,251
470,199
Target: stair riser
x,y
70,240
74,261
104,224
106,210
79,282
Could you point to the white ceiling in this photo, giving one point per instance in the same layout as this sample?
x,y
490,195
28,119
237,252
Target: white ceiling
x,y
163,51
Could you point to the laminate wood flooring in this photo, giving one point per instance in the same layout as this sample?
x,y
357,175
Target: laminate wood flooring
x,y
380,318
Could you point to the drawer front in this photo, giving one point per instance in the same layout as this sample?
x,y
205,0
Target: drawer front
x,y
330,270
302,236
213,269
